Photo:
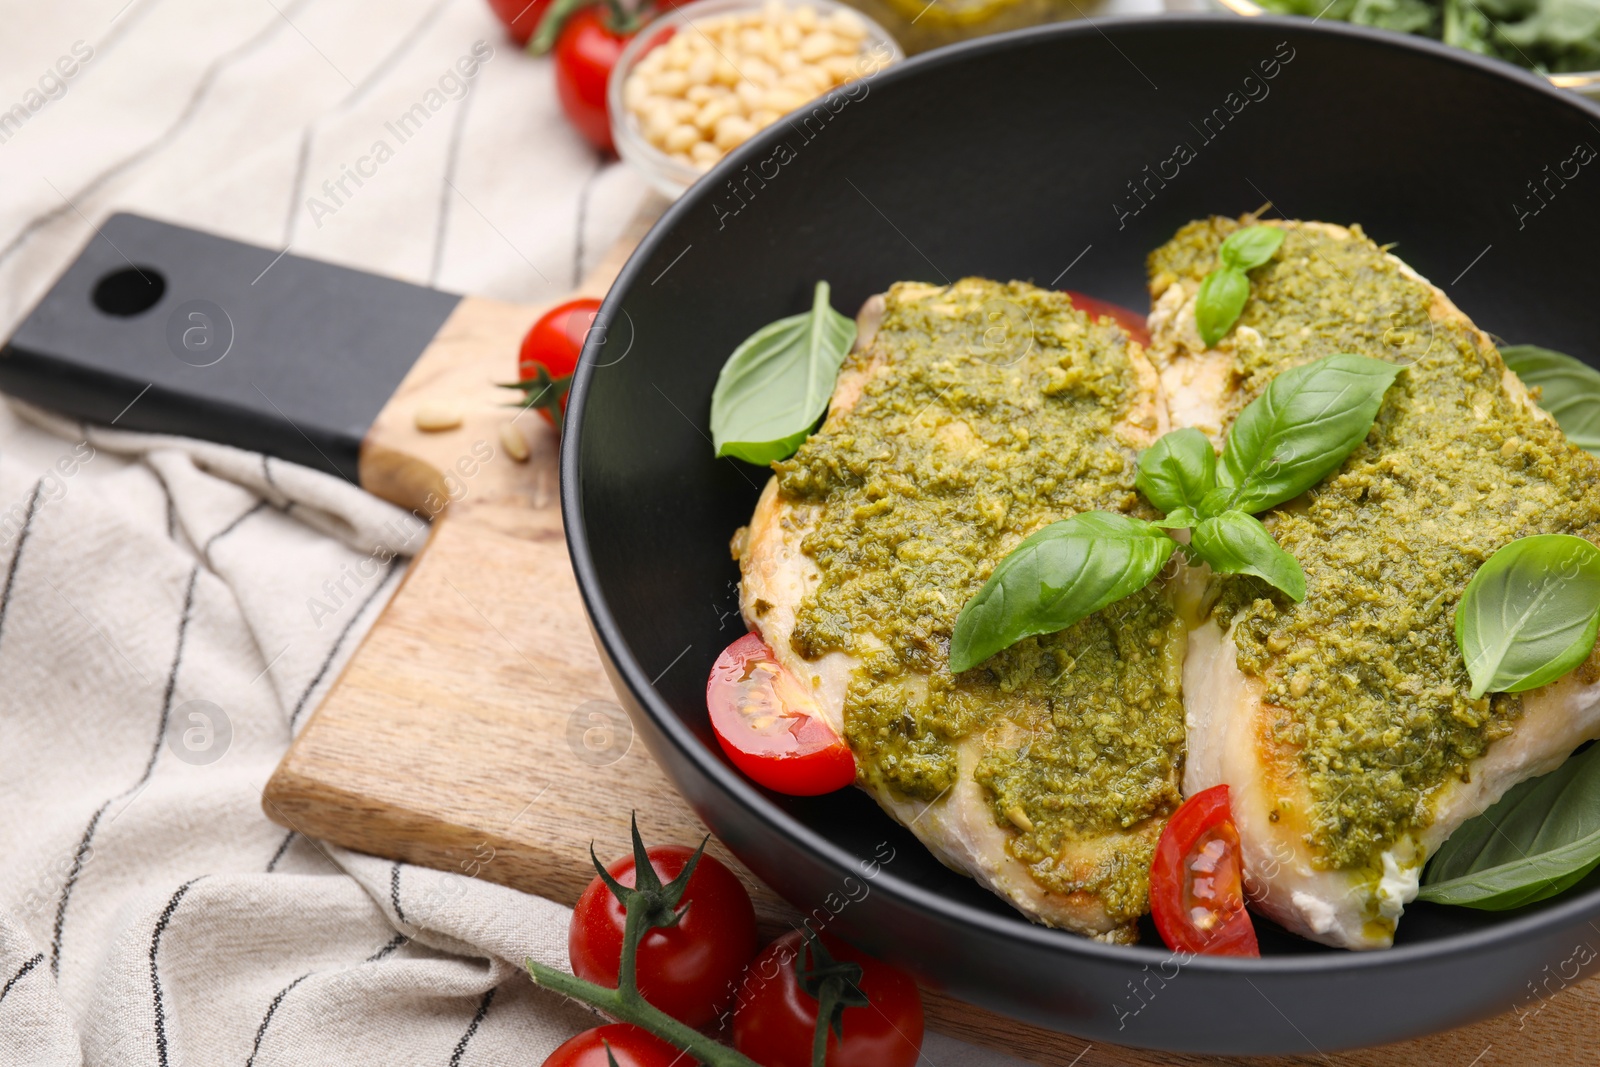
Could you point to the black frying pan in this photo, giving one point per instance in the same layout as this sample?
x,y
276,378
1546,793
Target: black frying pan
x,y
1031,156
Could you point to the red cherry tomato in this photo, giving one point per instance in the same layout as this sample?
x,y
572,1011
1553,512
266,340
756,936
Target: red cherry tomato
x,y
768,723
631,1046
520,17
1196,880
1128,319
553,344
689,970
585,52
776,1018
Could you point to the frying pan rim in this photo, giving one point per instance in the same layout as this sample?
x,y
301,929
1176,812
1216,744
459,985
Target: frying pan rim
x,y
907,895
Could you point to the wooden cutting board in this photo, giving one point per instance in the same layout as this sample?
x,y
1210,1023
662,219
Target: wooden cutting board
x,y
473,730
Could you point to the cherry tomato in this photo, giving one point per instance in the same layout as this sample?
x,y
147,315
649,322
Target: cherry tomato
x,y
768,723
585,52
689,970
776,1018
520,17
1196,880
631,1046
553,345
1128,319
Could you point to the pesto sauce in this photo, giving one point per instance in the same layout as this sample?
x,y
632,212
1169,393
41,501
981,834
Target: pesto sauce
x,y
1365,674
969,441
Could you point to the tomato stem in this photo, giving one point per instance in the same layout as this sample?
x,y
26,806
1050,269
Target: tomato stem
x,y
626,1005
834,984
543,391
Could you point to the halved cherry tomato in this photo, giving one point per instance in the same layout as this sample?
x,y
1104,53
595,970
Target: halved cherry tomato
x,y
776,1017
1128,319
550,354
769,724
688,970
1197,883
629,1047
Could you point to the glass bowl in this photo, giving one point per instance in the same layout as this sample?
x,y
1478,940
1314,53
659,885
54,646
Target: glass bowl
x,y
672,176
1585,83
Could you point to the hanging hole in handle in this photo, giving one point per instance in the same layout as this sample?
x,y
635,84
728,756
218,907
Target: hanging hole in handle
x,y
130,291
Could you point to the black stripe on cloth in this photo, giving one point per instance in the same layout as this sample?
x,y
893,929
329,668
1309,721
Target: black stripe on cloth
x,y
300,705
272,483
16,556
261,1031
383,66
472,1027
278,855
387,950
155,973
78,858
86,843
14,979
394,892
205,550
172,677
441,228
196,97
583,223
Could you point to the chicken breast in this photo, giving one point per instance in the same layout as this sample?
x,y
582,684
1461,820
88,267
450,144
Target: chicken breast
x,y
966,418
1342,724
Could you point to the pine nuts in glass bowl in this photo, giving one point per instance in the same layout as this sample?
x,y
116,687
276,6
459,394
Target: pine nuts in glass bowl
x,y
704,78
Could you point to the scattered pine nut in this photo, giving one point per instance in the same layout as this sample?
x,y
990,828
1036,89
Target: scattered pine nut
x,y
433,417
516,445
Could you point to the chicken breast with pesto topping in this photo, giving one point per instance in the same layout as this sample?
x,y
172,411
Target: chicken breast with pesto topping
x,y
1343,724
967,417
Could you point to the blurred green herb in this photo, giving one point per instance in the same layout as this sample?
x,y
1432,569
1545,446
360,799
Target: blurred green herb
x,y
1549,36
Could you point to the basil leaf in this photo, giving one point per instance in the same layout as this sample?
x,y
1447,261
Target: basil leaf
x,y
1222,296
1536,841
1180,518
1236,543
776,385
1301,428
1250,247
1065,572
1570,390
1178,470
1530,614
1215,502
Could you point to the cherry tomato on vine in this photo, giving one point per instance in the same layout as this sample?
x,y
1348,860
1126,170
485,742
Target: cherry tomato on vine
x,y
1197,880
550,354
688,970
1128,319
520,17
629,1045
769,724
775,1021
585,52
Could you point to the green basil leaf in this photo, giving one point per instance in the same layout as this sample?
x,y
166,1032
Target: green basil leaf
x,y
1215,502
1178,470
1065,572
1222,296
1179,518
1301,428
1250,247
776,385
1570,390
1536,841
1530,614
1236,543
